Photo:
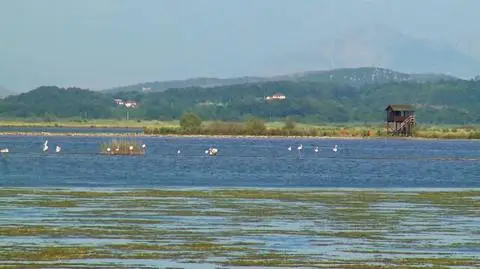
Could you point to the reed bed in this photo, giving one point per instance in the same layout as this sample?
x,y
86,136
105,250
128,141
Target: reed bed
x,y
272,129
122,147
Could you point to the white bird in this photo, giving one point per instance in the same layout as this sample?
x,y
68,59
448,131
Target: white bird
x,y
130,148
316,149
178,151
58,149
289,148
335,149
213,152
300,147
45,146
117,149
144,146
5,150
109,149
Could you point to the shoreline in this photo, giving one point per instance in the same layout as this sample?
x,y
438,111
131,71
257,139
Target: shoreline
x,y
133,135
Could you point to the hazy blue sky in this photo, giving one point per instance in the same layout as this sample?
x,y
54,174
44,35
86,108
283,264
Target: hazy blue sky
x,y
104,43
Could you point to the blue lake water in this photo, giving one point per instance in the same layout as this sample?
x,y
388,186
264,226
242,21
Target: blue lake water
x,y
245,162
73,130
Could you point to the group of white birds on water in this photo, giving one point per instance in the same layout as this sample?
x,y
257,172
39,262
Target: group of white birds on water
x,y
44,149
210,151
130,148
315,149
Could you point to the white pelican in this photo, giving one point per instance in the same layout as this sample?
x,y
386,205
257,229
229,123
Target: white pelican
x,y
5,150
211,151
45,146
58,149
335,149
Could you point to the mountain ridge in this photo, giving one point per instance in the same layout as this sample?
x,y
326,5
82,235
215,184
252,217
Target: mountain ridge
x,y
351,76
379,46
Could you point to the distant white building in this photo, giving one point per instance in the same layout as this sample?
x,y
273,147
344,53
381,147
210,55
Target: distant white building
x,y
130,104
119,102
277,96
127,104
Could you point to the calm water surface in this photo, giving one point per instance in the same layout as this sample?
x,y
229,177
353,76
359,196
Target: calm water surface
x,y
72,130
242,163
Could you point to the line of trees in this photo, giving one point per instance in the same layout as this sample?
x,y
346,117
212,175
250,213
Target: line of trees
x,y
438,102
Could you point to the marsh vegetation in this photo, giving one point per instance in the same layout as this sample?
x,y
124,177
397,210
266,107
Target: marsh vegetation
x,y
240,227
122,147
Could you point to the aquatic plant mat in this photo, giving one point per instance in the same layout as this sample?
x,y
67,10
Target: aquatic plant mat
x,y
252,228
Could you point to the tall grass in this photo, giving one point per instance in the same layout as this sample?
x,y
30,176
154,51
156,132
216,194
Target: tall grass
x,y
272,128
241,129
365,131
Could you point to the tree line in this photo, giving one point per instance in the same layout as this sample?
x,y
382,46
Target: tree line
x,y
439,102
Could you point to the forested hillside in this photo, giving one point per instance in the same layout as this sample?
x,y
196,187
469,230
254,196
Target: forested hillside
x,y
451,101
351,76
439,102
51,101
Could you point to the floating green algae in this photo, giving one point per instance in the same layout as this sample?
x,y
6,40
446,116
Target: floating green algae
x,y
349,228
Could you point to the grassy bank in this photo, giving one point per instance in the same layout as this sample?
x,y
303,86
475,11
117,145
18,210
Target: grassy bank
x,y
304,130
266,129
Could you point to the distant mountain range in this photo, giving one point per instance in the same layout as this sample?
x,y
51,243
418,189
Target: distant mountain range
x,y
348,58
382,46
187,83
350,76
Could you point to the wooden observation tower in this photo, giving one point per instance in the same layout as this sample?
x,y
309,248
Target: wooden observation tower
x,y
400,120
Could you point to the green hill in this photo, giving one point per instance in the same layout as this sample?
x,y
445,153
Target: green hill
x,y
193,82
365,75
436,102
352,76
51,101
452,101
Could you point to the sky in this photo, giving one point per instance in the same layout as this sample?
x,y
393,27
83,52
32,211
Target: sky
x,y
100,44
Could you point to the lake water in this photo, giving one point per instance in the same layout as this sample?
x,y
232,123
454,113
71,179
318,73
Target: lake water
x,y
72,130
80,209
242,163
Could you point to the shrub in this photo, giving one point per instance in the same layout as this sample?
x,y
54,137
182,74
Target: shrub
x,y
255,126
190,122
289,124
